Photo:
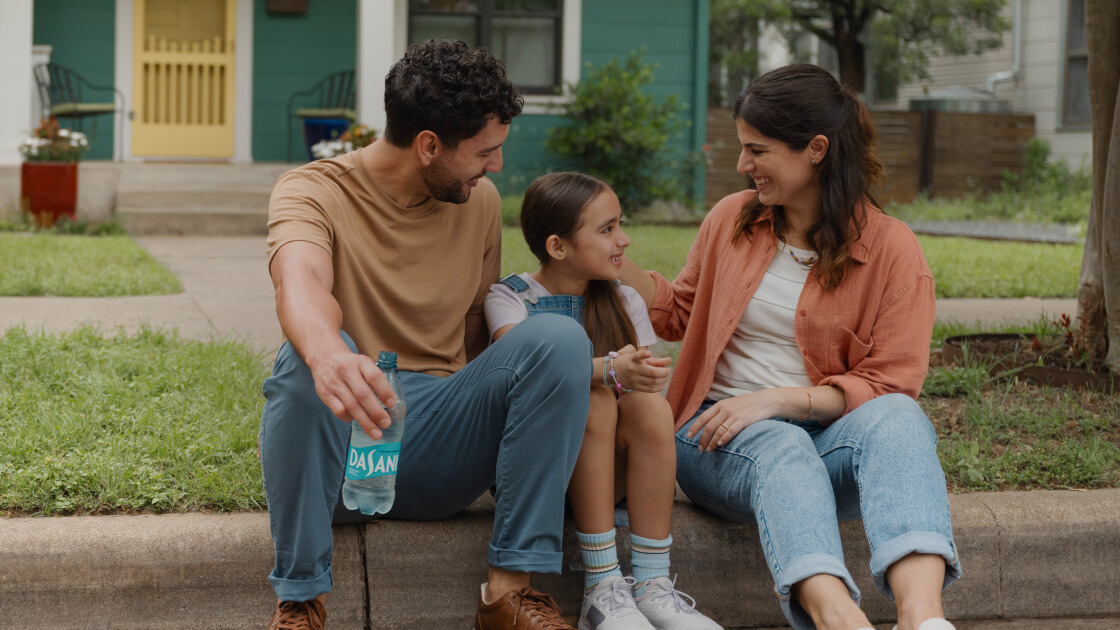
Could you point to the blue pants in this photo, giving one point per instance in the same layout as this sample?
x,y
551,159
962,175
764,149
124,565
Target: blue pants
x,y
513,418
795,480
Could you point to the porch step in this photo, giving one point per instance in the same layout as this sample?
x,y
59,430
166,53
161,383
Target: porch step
x,y
196,199
228,211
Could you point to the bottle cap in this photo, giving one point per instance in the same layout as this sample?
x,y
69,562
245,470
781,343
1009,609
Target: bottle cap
x,y
387,360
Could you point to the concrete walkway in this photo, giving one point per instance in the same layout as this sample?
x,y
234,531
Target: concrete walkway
x,y
1032,560
1002,231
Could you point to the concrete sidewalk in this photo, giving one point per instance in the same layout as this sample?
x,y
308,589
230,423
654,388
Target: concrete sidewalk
x,y
1026,555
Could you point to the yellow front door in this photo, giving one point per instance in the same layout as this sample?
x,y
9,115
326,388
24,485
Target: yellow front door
x,y
183,90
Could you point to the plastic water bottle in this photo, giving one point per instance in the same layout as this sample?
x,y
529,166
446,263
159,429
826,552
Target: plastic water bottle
x,y
371,465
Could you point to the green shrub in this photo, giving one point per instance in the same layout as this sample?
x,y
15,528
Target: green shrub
x,y
1040,175
619,133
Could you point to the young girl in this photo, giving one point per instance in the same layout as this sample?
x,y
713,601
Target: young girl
x,y
572,223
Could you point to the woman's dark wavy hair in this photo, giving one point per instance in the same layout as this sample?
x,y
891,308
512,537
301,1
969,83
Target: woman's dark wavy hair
x,y
793,104
448,88
554,204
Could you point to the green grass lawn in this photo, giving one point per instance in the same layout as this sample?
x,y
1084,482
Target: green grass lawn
x,y
79,266
128,423
1044,206
961,267
1003,434
150,422
965,267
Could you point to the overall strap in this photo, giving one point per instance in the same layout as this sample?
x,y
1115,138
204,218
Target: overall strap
x,y
518,285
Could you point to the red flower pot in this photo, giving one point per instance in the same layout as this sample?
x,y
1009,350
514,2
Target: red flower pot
x,y
49,190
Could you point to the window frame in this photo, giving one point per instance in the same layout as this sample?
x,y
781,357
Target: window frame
x,y
1063,122
485,15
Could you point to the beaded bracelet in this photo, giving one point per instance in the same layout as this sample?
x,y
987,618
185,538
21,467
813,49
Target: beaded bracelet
x,y
619,390
605,372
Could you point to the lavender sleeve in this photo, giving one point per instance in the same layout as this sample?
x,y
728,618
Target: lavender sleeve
x,y
502,308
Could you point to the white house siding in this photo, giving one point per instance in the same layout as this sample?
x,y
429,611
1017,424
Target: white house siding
x,y
1038,88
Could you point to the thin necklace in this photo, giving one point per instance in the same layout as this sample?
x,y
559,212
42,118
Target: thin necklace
x,y
807,261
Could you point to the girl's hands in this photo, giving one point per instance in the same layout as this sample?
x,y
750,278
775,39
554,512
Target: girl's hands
x,y
725,419
640,371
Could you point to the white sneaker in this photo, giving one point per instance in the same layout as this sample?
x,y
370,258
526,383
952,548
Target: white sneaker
x,y
610,606
664,606
936,623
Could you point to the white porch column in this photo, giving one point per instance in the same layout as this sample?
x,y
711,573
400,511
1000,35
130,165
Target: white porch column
x,y
15,75
122,77
382,30
243,108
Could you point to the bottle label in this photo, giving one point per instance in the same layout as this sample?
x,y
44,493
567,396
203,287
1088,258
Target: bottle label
x,y
364,462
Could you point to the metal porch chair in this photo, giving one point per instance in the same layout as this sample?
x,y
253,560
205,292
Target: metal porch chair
x,y
66,94
331,97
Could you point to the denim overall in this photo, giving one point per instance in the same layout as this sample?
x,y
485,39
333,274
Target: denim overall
x,y
570,305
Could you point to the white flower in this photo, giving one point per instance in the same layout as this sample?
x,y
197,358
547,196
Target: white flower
x,y
330,148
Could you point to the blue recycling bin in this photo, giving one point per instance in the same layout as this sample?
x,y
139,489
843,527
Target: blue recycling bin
x,y
318,129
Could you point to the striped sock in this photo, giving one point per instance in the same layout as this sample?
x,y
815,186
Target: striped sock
x,y
600,558
650,559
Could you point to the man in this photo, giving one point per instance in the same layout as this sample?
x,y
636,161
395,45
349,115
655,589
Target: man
x,y
396,245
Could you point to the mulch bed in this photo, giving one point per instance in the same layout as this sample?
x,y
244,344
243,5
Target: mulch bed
x,y
1045,361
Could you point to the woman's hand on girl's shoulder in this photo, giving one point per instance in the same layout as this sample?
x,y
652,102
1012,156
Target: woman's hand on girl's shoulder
x,y
639,370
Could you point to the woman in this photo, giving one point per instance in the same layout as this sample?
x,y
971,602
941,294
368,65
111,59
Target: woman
x,y
806,315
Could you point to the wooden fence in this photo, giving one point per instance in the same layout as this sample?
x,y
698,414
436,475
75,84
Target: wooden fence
x,y
950,154
723,156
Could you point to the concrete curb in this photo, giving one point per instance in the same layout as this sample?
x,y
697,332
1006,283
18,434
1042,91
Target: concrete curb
x,y
1025,554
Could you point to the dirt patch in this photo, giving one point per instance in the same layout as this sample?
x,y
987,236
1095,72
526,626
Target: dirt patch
x,y
1047,361
1028,350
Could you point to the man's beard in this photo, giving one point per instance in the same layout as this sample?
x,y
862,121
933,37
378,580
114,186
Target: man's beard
x,y
442,185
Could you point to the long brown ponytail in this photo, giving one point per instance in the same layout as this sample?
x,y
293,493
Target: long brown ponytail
x,y
554,204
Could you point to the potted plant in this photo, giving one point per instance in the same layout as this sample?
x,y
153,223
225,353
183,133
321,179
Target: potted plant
x,y
49,173
355,138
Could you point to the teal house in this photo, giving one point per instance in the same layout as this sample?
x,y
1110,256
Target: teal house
x,y
214,80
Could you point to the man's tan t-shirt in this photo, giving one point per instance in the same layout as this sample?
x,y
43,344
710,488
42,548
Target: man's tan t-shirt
x,y
406,278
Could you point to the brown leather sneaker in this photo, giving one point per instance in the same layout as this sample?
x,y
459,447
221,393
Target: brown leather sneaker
x,y
523,609
310,615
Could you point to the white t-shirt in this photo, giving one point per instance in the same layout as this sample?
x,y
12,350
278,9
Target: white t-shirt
x,y
763,351
504,307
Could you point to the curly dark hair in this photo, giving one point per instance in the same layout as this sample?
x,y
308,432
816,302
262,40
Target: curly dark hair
x,y
448,88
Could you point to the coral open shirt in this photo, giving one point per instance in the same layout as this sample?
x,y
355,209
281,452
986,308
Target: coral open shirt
x,y
870,336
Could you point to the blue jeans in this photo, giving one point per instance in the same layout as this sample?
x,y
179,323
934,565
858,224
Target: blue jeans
x,y
796,480
513,419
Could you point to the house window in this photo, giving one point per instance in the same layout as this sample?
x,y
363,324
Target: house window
x,y
1075,91
524,34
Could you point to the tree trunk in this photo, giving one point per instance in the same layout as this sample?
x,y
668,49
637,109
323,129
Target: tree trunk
x,y
850,55
1098,293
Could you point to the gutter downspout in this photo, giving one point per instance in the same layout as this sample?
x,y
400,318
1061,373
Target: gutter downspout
x,y
1016,45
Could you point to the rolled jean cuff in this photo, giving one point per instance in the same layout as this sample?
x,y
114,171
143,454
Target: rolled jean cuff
x,y
806,567
899,547
302,590
522,560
